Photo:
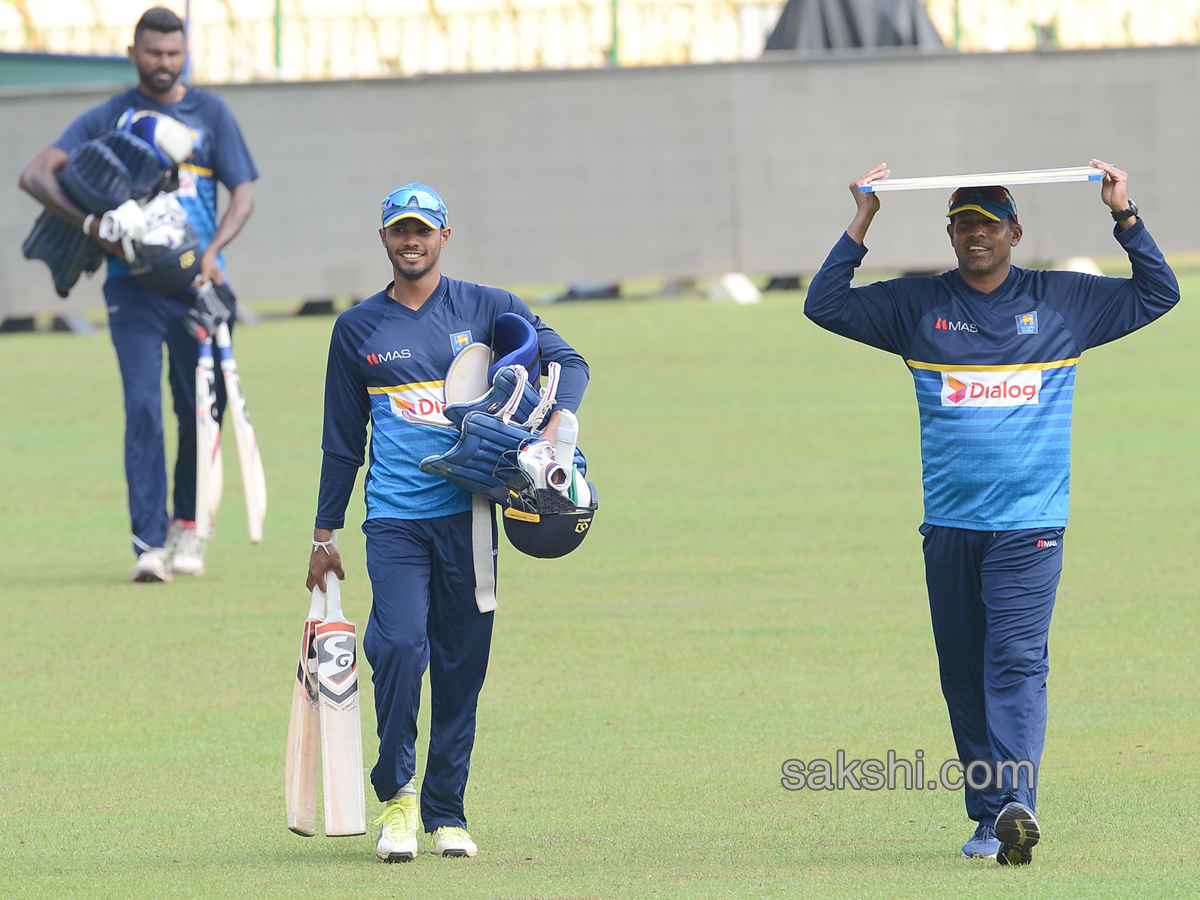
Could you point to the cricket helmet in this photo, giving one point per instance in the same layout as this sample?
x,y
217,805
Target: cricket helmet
x,y
546,524
170,268
170,139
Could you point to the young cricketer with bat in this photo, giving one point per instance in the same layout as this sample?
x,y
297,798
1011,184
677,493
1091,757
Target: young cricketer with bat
x,y
428,544
142,320
992,349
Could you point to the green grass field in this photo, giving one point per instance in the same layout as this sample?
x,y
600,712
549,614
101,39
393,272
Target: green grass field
x,y
752,592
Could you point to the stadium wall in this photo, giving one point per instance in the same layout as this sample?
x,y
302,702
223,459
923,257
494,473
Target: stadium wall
x,y
674,171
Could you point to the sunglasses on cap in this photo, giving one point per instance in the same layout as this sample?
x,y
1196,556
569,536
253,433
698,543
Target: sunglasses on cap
x,y
406,197
995,194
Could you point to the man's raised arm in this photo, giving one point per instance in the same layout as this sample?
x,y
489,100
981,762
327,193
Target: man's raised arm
x,y
874,314
868,203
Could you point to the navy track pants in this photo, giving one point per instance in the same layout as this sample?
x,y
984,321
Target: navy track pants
x,y
423,614
140,322
991,595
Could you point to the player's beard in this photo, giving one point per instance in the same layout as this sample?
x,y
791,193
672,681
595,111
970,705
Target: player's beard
x,y
157,81
428,262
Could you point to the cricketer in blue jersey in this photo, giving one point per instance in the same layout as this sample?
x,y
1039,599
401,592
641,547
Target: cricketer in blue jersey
x,y
992,349
141,320
431,546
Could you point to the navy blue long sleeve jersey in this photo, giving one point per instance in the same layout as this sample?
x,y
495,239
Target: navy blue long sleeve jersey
x,y
994,373
385,358
219,154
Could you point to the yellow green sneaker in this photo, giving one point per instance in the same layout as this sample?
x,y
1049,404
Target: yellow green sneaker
x,y
398,830
451,841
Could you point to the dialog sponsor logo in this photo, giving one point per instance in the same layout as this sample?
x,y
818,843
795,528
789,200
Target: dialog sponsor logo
x,y
991,388
425,406
423,401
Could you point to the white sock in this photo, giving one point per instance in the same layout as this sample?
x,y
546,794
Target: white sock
x,y
409,790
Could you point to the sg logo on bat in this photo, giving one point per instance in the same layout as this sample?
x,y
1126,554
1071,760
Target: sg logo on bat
x,y
336,662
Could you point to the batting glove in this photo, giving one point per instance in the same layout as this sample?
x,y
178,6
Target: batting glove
x,y
126,223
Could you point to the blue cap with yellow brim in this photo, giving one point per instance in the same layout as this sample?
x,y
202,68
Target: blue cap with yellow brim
x,y
993,201
414,201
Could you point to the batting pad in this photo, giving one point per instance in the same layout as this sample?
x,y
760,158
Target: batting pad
x,y
96,178
140,160
472,371
484,459
99,175
505,383
64,248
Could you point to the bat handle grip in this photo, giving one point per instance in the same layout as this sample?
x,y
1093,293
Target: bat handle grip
x,y
317,609
333,593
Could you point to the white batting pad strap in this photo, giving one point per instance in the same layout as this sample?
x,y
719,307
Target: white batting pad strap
x,y
507,410
549,395
466,379
482,551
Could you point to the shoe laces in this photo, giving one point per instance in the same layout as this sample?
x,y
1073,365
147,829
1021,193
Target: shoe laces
x,y
398,816
453,833
986,831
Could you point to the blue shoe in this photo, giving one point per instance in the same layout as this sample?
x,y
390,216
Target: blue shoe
x,y
1018,831
983,843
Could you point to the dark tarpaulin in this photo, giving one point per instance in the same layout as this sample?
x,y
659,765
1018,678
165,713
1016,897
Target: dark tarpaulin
x,y
842,24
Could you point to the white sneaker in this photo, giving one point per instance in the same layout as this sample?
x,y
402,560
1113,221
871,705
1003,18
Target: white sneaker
x,y
187,549
398,830
152,565
451,841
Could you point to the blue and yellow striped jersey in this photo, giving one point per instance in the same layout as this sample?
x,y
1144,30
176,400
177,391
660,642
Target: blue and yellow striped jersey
x,y
219,154
385,358
994,373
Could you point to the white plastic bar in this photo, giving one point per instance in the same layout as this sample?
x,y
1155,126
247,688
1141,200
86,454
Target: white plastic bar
x,y
1008,179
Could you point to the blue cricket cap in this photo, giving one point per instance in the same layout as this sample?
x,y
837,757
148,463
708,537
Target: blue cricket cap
x,y
414,201
993,201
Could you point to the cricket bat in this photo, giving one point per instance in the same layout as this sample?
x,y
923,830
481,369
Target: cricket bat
x,y
254,480
209,474
304,729
341,718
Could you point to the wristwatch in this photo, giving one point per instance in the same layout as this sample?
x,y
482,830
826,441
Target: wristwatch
x,y
1126,213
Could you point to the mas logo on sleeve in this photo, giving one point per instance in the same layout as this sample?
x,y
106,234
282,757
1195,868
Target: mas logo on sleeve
x,y
459,340
1027,323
